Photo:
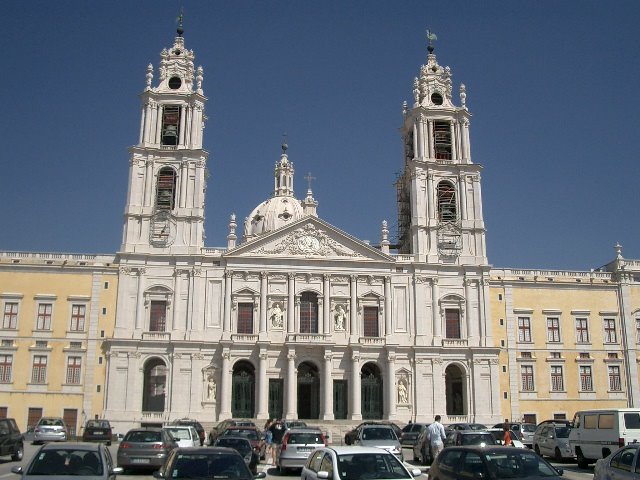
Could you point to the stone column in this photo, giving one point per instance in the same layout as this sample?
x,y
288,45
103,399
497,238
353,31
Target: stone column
x,y
452,133
291,310
326,304
432,151
462,189
177,277
182,124
263,302
387,306
469,320
292,385
430,197
356,410
327,387
148,182
263,387
140,307
391,388
228,279
225,385
353,308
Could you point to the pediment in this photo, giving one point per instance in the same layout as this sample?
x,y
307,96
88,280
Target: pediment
x,y
309,238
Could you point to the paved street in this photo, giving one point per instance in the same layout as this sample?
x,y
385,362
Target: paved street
x,y
571,470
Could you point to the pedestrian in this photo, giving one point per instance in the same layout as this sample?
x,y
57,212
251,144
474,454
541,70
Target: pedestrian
x,y
507,436
436,436
268,440
277,430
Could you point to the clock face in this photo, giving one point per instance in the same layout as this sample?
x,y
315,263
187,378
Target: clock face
x,y
163,228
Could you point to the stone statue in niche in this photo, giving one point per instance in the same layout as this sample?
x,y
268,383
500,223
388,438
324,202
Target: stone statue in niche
x,y
340,317
403,393
276,315
211,389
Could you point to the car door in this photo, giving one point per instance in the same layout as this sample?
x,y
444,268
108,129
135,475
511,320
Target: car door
x,y
621,465
310,470
543,441
449,464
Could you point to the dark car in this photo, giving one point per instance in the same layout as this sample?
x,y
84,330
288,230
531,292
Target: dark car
x,y
224,424
351,435
70,459
145,448
195,424
250,433
205,462
97,431
465,426
454,463
621,464
11,440
470,437
243,446
410,433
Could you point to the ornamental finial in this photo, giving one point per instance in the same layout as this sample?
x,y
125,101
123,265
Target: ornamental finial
x,y
180,28
284,143
431,37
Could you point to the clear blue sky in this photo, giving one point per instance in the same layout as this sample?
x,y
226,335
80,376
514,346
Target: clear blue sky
x,y
552,85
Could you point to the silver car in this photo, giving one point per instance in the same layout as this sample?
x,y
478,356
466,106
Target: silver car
x,y
381,436
50,429
553,441
296,446
622,464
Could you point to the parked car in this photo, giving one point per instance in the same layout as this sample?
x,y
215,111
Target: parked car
x,y
524,430
195,424
381,436
11,440
224,424
465,426
495,462
296,446
566,423
470,437
498,434
353,433
145,448
97,431
623,463
205,462
410,433
185,435
243,446
64,460
553,441
50,429
252,434
355,463
422,448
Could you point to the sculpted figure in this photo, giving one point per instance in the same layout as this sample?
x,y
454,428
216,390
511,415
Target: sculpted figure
x,y
340,317
277,316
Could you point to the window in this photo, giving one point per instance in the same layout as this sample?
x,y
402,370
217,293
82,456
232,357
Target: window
x,y
447,210
371,322
77,318
166,189
10,320
553,329
39,372
584,355
158,316
526,372
245,318
614,379
638,330
586,381
6,362
442,140
308,313
612,355
525,355
610,331
557,379
556,355
74,367
452,323
170,124
582,330
524,329
43,322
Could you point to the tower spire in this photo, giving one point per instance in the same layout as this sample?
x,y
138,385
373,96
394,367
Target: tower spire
x,y
180,18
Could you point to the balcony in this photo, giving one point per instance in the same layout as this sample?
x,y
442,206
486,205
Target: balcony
x,y
157,336
372,341
454,342
244,338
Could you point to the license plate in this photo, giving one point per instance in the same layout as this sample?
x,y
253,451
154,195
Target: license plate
x,y
304,449
139,460
98,432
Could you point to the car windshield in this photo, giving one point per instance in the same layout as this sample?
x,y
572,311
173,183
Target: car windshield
x,y
208,466
239,444
562,432
98,424
66,461
247,433
518,463
478,439
179,433
364,466
477,426
378,434
142,436
51,422
529,428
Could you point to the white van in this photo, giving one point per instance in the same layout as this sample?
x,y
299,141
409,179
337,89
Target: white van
x,y
597,433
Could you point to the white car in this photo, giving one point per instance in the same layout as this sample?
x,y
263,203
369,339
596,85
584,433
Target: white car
x,y
355,463
185,435
553,441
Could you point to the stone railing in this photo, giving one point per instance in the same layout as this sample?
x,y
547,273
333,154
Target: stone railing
x,y
244,338
454,342
378,341
308,338
157,336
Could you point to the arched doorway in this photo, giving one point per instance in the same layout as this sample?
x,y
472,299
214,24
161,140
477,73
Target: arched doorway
x,y
155,385
455,391
308,391
243,397
371,392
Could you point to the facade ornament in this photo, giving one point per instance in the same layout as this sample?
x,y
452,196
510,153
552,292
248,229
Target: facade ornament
x,y
463,95
416,92
149,77
339,318
199,78
291,356
405,108
437,361
212,388
276,315
226,355
197,356
403,392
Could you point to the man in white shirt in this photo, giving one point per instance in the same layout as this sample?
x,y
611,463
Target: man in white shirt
x,y
436,436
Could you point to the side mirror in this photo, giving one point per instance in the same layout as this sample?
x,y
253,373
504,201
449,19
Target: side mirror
x,y
559,470
416,472
158,474
117,470
17,470
261,475
323,474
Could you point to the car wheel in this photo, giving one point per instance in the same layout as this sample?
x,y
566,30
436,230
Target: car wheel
x,y
16,457
537,449
582,462
283,470
108,444
558,455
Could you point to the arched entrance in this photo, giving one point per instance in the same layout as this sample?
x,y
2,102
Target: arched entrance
x,y
371,392
155,383
243,397
455,391
308,391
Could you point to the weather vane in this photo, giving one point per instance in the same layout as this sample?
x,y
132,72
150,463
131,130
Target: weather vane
x,y
284,142
179,21
431,37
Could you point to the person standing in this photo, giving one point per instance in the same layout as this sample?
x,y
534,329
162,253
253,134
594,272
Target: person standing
x,y
268,440
436,436
507,435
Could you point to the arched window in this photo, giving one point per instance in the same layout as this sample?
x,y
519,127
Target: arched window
x,y
447,210
166,189
155,381
170,124
309,312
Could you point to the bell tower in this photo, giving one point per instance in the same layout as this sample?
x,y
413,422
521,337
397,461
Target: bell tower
x,y
165,200
439,203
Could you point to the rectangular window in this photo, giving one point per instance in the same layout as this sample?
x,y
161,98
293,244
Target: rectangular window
x,y
245,318
74,368
6,363
39,372
553,329
610,331
524,329
526,372
158,316
452,323
10,320
170,124
77,318
557,379
308,313
442,140
614,379
582,330
43,322
371,322
637,330
586,381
